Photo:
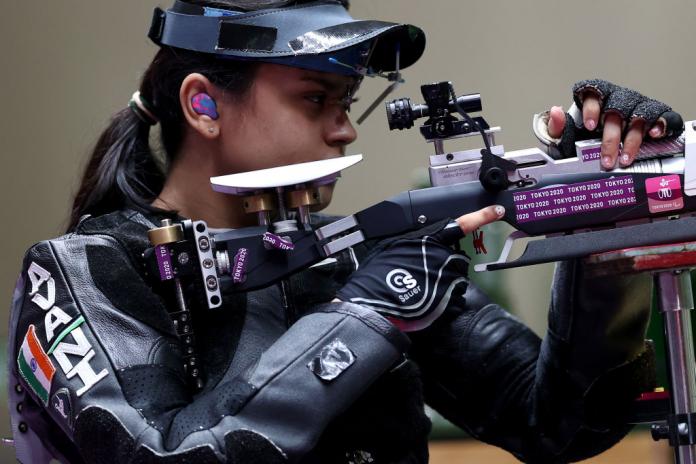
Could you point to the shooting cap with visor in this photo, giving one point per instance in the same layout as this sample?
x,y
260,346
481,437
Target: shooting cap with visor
x,y
320,36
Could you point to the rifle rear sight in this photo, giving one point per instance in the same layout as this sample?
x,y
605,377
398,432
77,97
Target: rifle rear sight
x,y
440,109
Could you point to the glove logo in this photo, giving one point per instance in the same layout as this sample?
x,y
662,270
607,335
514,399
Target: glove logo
x,y
400,280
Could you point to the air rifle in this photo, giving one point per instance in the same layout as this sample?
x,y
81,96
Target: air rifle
x,y
575,206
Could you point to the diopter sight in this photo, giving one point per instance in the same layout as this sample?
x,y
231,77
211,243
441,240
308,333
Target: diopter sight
x,y
440,108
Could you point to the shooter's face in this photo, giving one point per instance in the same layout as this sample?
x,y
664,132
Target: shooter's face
x,y
290,115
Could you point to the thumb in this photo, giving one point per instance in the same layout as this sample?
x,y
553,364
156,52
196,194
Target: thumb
x,y
557,121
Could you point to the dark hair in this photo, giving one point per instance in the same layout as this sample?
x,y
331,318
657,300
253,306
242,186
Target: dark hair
x,y
122,171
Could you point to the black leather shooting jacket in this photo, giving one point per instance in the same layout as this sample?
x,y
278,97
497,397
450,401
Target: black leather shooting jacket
x,y
96,372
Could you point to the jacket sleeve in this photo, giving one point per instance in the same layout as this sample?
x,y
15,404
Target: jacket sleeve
x,y
113,384
560,399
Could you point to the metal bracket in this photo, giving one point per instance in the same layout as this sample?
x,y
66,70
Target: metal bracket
x,y
680,430
206,259
690,157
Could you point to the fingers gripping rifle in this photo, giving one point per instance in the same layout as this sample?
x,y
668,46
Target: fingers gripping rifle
x,y
576,207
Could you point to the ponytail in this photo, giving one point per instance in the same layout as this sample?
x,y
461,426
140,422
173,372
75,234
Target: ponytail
x,y
121,171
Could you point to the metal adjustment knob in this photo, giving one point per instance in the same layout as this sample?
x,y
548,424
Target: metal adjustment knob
x,y
222,262
304,197
659,431
166,233
260,203
400,114
283,227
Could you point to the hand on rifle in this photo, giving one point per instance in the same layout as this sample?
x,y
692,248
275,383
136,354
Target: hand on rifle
x,y
411,279
623,114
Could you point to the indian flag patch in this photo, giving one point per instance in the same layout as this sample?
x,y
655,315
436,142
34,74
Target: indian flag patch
x,y
35,366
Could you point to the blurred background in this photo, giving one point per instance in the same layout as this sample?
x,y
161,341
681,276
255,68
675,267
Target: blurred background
x,y
69,65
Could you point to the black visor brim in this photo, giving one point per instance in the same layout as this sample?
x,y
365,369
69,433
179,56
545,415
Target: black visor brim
x,y
293,32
